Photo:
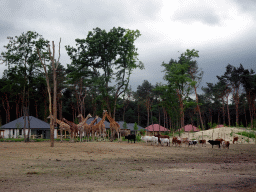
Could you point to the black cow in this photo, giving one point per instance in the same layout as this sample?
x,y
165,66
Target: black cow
x,y
212,142
131,137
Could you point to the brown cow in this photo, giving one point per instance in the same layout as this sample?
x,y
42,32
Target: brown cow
x,y
174,140
220,140
235,139
161,136
178,142
184,140
202,141
225,144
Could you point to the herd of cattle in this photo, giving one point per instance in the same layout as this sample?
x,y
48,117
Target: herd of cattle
x,y
165,139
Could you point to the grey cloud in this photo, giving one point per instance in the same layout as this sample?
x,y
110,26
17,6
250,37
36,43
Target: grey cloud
x,y
246,6
206,16
81,14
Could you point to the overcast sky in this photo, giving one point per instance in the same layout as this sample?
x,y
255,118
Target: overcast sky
x,y
222,31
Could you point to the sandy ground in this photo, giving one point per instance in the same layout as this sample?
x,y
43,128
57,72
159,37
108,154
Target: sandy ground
x,y
226,133
113,166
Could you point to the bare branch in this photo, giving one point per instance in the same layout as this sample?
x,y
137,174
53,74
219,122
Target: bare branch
x,y
53,50
59,56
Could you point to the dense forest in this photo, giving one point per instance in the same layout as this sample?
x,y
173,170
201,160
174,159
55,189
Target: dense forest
x,y
98,78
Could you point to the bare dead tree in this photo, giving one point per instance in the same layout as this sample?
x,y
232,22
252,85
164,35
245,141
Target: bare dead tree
x,y
54,68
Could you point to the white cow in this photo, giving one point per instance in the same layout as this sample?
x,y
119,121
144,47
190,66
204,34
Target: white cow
x,y
165,140
155,140
152,139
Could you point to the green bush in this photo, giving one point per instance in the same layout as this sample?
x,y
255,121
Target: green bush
x,y
40,140
247,134
138,138
143,132
166,133
12,140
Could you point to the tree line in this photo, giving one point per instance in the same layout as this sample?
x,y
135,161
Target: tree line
x,y
98,78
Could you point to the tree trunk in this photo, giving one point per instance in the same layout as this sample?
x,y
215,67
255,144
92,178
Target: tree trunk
x,y
218,116
228,113
159,117
223,109
138,114
199,108
245,117
148,108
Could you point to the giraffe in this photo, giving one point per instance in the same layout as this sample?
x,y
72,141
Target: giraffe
x,y
73,127
114,126
63,126
82,124
100,127
89,128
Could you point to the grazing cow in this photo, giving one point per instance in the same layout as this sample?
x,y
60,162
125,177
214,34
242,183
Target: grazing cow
x,y
184,140
165,140
193,142
235,139
162,136
202,141
131,137
155,140
225,144
178,142
149,139
174,140
212,142
220,140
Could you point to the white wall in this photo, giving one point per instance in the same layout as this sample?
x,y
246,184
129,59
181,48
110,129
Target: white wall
x,y
8,133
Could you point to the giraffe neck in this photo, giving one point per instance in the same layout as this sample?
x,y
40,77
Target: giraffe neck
x,y
93,121
58,121
86,119
103,118
82,118
69,122
110,119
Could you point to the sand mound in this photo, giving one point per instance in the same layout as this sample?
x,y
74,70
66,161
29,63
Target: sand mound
x,y
226,133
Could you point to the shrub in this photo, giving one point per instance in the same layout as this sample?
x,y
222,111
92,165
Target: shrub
x,y
138,138
166,133
247,134
143,132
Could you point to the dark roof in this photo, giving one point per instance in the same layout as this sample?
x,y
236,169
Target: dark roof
x,y
129,126
35,123
107,124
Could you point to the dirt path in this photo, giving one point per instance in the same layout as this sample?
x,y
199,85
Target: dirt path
x,y
125,167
